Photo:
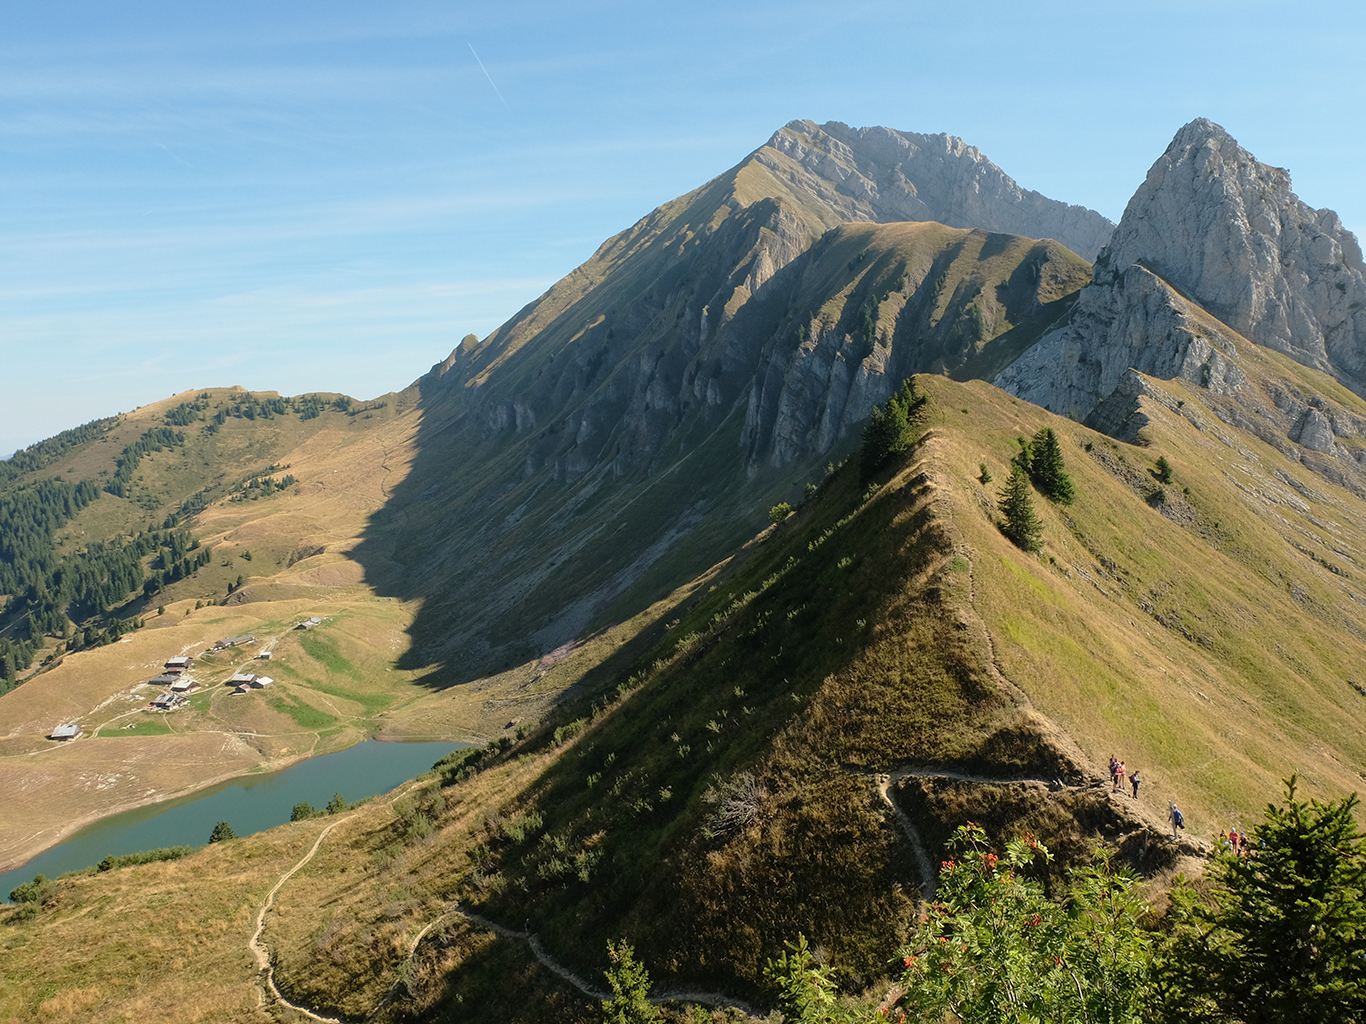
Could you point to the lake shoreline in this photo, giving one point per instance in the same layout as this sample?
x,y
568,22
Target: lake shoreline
x,y
54,836
37,847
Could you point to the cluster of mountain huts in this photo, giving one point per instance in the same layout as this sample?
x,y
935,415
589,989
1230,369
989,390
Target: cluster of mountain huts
x,y
175,674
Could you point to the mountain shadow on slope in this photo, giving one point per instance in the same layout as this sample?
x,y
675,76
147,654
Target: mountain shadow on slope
x,y
633,427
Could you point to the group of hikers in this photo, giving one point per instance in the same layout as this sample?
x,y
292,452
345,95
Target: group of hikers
x,y
1235,841
1117,774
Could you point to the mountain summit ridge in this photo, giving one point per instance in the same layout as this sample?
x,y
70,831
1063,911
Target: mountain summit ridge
x,y
882,174
718,351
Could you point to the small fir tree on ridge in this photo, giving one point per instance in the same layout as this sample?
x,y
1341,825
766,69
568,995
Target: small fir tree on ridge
x,y
1047,469
888,430
1018,521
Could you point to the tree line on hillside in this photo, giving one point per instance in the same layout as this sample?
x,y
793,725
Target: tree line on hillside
x,y
308,407
29,520
87,583
70,595
263,485
15,657
1275,935
188,412
45,453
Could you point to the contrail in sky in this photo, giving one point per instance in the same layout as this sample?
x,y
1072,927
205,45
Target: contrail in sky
x,y
488,76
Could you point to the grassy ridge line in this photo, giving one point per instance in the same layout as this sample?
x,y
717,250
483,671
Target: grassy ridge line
x,y
836,815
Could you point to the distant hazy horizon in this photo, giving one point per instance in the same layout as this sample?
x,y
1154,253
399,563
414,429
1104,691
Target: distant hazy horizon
x,y
327,197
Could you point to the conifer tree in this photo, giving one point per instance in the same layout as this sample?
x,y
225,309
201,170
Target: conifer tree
x,y
222,831
1286,938
1047,469
630,981
1018,521
888,430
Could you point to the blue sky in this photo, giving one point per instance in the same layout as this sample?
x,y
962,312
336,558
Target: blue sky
x,y
328,196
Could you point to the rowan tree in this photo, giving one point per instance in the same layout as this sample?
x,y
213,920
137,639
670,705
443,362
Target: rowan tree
x,y
994,948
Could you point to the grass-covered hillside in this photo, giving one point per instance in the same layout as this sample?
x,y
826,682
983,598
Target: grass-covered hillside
x,y
884,656
159,532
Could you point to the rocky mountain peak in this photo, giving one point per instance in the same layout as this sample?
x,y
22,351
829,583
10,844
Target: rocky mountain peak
x,y
1228,232
1213,245
882,175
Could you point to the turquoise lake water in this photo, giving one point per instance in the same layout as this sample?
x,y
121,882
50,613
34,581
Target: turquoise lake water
x,y
249,804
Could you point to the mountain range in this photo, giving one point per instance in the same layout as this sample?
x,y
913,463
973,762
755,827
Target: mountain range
x,y
730,675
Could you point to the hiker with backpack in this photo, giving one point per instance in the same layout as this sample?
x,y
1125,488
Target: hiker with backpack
x,y
1133,781
1177,819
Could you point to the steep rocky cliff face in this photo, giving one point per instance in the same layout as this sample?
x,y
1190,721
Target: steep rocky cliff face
x,y
644,413
1213,248
872,305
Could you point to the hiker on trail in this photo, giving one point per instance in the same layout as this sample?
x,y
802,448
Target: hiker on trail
x,y
1133,781
1114,767
1119,778
1177,819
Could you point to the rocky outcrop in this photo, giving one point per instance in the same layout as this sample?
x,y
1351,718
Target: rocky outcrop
x,y
882,175
1228,231
1212,229
1214,251
1135,320
922,298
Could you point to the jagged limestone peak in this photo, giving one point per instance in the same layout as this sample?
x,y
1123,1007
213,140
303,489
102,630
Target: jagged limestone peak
x,y
1229,232
1214,244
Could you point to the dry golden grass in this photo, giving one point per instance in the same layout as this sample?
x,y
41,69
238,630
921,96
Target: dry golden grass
x,y
154,943
1214,722
299,542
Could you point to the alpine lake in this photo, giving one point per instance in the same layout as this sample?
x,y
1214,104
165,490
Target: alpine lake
x,y
251,803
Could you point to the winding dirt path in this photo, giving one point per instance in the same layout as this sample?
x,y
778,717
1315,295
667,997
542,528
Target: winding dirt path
x,y
662,993
264,967
885,780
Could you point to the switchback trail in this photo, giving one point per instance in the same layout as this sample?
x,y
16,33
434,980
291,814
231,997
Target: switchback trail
x,y
885,780
266,970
